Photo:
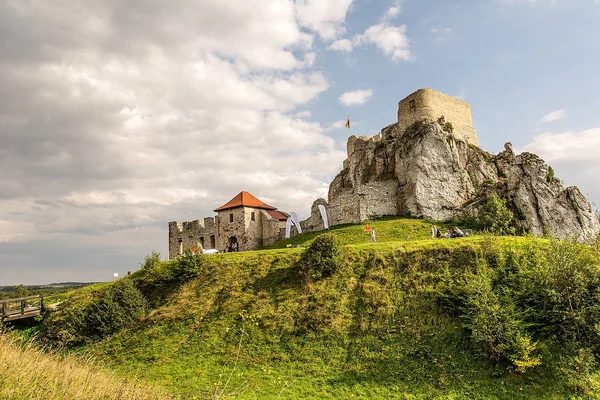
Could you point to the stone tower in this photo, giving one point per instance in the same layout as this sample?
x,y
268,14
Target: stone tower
x,y
429,103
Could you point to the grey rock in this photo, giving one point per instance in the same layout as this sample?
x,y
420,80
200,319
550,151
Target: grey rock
x,y
427,172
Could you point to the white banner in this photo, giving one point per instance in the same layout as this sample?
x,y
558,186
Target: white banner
x,y
288,227
324,216
296,222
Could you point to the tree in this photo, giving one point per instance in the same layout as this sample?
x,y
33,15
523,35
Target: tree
x,y
495,217
21,291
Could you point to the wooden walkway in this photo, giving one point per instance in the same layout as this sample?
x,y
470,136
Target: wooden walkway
x,y
23,307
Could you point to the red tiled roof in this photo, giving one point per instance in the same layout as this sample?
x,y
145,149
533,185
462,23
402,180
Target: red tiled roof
x,y
276,214
244,199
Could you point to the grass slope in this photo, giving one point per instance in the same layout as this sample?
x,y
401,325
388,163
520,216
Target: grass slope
x,y
249,327
29,373
387,229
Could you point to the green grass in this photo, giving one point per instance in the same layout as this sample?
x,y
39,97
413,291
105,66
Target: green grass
x,y
372,330
387,229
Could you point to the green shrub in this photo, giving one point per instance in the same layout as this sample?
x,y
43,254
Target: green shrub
x,y
151,260
493,319
448,127
322,258
121,305
93,314
495,217
550,175
187,266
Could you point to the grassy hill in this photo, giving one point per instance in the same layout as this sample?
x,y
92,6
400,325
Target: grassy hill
x,y
387,229
29,373
382,326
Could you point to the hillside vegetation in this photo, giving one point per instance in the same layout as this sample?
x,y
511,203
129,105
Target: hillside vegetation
x,y
482,317
29,373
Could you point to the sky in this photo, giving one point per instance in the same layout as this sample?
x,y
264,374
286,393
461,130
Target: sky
x,y
118,117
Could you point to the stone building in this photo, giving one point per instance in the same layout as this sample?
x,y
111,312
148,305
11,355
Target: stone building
x,y
244,223
429,103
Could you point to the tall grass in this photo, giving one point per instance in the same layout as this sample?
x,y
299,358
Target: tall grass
x,y
27,372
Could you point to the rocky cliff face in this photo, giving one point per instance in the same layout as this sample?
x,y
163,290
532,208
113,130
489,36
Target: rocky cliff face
x,y
427,172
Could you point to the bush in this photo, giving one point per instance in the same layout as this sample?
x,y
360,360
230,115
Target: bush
x,y
187,266
493,320
151,260
495,217
93,315
121,305
322,258
550,175
448,127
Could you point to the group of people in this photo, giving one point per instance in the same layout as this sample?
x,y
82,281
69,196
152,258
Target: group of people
x,y
233,247
371,231
452,233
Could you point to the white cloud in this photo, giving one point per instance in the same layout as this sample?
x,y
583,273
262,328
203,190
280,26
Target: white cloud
x,y
462,93
124,116
336,125
394,10
441,34
343,45
573,155
527,1
389,38
303,114
356,97
553,116
325,17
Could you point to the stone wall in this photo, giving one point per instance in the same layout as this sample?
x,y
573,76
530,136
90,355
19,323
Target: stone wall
x,y
185,235
354,205
217,232
432,104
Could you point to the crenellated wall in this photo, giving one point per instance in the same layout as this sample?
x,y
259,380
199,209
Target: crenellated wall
x,y
185,235
217,232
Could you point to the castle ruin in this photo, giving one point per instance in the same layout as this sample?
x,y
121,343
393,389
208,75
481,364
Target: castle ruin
x,y
243,223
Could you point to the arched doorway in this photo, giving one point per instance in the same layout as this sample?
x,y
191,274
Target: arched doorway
x,y
233,244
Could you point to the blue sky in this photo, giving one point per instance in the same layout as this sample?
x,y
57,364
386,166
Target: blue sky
x,y
116,118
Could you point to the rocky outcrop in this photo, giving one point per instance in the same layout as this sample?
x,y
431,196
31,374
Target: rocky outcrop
x,y
427,172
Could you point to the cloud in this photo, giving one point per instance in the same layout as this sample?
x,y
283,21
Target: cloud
x,y
462,93
441,34
573,155
394,10
343,45
337,125
356,97
303,114
124,116
527,1
391,39
325,17
553,116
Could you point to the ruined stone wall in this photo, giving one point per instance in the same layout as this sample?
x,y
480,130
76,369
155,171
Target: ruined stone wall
x,y
363,202
185,235
273,230
432,104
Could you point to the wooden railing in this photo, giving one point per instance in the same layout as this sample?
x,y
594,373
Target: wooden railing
x,y
23,307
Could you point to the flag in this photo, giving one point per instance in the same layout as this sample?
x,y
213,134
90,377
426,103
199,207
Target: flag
x,y
348,123
288,227
324,216
296,221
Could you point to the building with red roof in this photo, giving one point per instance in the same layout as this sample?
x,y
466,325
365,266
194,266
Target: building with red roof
x,y
243,223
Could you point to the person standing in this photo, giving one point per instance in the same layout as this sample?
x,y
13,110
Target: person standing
x,y
373,239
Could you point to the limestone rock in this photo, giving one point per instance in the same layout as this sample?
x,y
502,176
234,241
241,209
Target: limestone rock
x,y
428,172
